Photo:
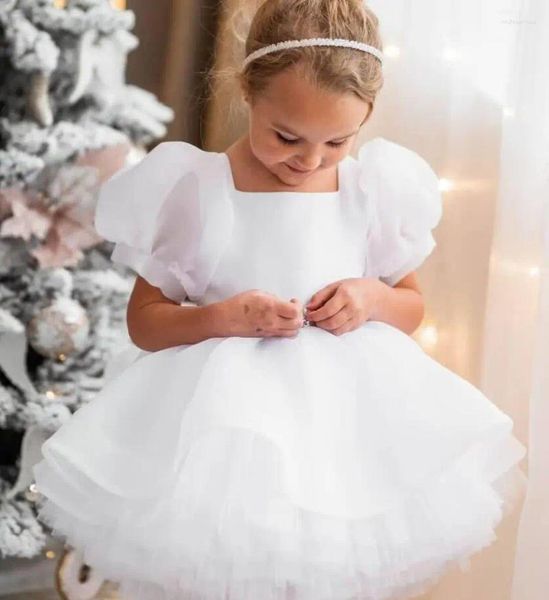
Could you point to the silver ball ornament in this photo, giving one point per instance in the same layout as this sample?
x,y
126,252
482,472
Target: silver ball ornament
x,y
59,329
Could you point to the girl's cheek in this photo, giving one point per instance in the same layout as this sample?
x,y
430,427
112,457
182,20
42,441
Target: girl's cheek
x,y
273,152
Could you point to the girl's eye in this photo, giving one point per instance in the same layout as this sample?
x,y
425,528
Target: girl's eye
x,y
289,141
285,140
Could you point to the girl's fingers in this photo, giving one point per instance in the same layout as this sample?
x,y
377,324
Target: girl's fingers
x,y
288,309
344,328
290,323
322,296
335,319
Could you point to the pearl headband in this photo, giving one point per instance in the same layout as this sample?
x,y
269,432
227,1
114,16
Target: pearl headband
x,y
314,42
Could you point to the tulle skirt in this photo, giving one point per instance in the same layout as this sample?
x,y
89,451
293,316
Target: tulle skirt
x,y
322,467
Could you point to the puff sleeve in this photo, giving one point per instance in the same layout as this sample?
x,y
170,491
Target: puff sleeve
x,y
405,206
151,211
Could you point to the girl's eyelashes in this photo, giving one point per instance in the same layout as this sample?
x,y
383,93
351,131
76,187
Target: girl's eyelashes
x,y
336,144
285,140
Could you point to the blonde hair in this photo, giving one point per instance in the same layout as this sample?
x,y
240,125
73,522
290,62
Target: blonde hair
x,y
336,69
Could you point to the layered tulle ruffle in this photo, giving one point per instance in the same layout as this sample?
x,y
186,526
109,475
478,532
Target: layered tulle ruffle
x,y
282,469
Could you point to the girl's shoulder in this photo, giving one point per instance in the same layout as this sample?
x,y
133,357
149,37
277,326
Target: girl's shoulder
x,y
167,217
398,182
184,156
390,168
402,192
168,172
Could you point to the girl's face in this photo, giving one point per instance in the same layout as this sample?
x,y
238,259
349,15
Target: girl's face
x,y
296,129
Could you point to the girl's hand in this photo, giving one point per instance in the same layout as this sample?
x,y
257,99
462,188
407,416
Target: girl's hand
x,y
344,305
254,313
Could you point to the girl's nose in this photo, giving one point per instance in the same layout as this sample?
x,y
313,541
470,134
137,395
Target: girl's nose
x,y
310,160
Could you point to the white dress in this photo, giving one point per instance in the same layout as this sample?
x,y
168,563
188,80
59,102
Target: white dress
x,y
320,467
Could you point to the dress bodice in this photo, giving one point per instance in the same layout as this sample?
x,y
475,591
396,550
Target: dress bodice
x,y
290,244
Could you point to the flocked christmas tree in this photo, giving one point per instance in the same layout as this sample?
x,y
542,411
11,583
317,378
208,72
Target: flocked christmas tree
x,y
68,121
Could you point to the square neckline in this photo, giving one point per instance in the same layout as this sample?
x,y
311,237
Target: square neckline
x,y
280,193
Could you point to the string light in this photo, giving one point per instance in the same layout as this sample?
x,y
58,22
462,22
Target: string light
x,y
50,554
513,266
445,185
31,493
427,336
50,394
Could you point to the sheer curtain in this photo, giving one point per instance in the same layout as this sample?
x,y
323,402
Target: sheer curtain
x,y
520,274
467,87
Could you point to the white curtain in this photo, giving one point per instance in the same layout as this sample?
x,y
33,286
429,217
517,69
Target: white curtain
x,y
467,86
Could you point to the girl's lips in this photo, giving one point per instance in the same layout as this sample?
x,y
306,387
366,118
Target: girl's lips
x,y
297,170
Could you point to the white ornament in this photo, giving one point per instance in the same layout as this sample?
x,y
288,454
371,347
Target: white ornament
x,y
59,329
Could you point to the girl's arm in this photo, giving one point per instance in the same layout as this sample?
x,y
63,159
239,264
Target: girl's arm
x,y
155,322
401,305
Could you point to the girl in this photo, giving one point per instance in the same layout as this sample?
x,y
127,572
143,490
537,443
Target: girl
x,y
285,438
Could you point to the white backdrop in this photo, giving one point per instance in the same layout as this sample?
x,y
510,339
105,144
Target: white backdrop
x,y
467,86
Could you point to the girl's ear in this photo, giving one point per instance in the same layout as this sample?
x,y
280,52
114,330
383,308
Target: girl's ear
x,y
245,94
